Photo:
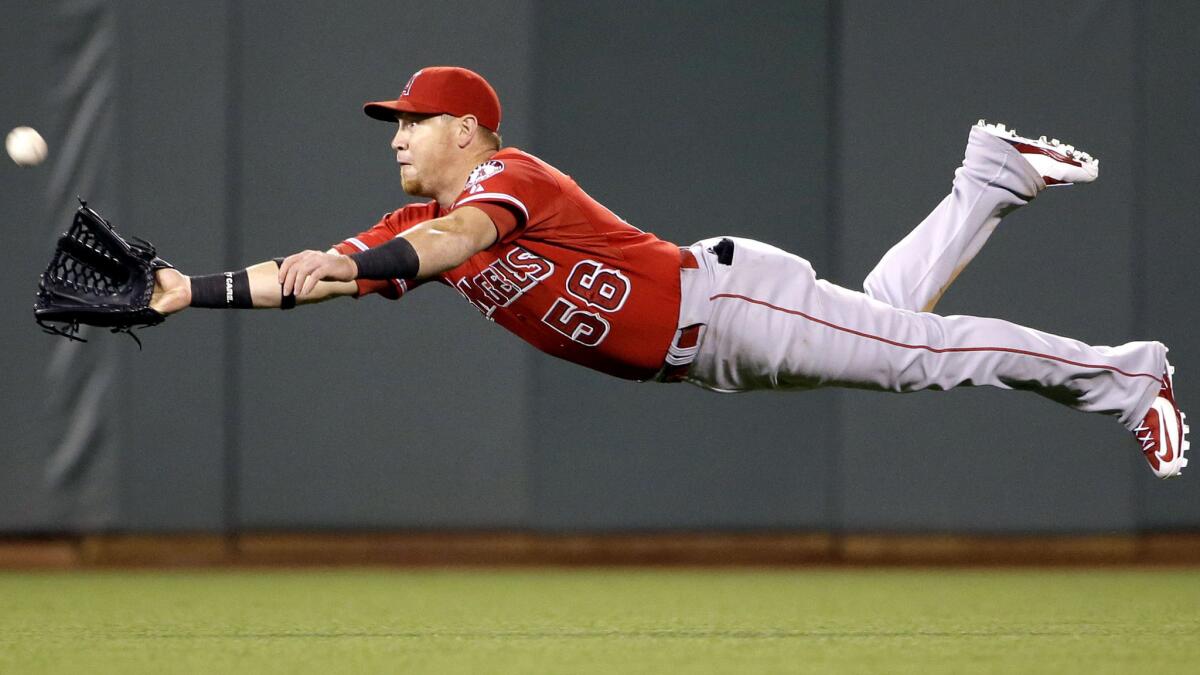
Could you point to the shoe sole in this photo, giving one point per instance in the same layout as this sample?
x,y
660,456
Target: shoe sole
x,y
1053,149
1184,445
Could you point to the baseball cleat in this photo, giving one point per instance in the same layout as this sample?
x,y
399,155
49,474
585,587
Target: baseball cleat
x,y
1163,434
1058,163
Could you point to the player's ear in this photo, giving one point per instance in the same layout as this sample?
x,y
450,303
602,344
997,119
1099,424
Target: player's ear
x,y
464,130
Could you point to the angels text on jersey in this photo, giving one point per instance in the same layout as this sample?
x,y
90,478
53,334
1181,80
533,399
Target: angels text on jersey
x,y
590,284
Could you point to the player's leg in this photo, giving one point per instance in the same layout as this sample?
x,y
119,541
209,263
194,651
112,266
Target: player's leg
x,y
1000,172
772,324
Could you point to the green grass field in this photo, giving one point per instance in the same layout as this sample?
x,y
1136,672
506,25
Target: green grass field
x,y
602,621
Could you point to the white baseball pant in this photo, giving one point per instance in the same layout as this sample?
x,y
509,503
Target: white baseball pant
x,y
769,323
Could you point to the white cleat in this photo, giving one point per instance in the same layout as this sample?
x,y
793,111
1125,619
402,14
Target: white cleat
x,y
1163,433
1058,163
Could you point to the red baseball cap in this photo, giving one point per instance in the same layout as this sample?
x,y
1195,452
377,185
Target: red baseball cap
x,y
443,89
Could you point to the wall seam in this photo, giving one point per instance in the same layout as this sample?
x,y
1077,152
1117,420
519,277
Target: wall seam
x,y
232,403
833,217
1139,292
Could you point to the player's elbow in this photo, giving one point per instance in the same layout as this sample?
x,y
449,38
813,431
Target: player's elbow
x,y
471,229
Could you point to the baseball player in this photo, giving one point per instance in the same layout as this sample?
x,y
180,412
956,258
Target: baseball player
x,y
534,253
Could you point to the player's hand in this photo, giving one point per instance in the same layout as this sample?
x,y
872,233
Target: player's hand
x,y
300,272
172,291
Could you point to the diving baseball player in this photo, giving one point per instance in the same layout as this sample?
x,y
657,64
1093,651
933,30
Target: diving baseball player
x,y
531,251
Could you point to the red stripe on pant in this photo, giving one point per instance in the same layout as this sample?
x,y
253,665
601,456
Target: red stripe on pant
x,y
936,350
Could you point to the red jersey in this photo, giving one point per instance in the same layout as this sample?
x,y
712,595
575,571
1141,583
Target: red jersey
x,y
565,274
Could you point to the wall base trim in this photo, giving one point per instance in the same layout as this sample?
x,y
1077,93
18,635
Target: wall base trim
x,y
401,549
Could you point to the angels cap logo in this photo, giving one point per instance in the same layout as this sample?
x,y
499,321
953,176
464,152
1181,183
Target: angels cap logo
x,y
485,171
408,86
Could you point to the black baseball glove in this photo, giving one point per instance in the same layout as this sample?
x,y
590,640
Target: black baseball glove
x,y
97,278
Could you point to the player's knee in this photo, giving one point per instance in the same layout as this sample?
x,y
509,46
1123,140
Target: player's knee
x,y
875,289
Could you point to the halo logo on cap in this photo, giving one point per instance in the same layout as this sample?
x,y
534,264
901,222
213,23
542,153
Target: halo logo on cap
x,y
408,87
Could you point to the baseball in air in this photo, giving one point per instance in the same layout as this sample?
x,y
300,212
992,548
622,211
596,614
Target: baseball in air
x,y
26,146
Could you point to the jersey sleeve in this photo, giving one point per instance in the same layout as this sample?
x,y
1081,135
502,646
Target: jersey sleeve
x,y
515,194
388,227
503,218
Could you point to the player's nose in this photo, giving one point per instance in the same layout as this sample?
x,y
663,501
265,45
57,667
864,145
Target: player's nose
x,y
399,141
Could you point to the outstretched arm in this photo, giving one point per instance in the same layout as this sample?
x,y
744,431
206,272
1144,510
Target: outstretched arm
x,y
173,289
421,252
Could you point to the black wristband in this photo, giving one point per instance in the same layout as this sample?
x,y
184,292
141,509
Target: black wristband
x,y
222,291
397,259
285,301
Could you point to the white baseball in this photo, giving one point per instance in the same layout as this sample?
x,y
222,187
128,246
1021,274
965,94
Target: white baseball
x,y
26,146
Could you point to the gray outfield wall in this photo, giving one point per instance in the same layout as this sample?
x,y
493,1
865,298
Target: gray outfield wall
x,y
230,132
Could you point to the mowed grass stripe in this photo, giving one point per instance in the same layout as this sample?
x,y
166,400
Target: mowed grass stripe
x,y
594,621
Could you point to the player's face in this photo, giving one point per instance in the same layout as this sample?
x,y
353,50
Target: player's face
x,y
423,146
